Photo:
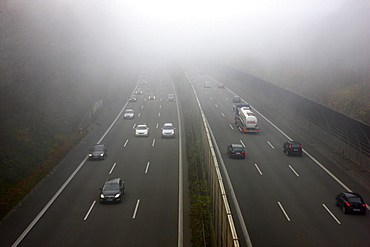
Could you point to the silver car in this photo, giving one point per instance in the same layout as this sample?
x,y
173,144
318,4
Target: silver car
x,y
129,114
168,130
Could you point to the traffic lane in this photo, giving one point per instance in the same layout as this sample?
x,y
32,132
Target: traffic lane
x,y
211,121
14,224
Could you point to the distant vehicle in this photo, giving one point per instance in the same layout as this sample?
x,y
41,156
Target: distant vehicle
x,y
142,130
292,148
168,130
132,98
98,151
351,202
144,72
221,85
143,82
236,99
138,91
207,84
112,190
171,97
245,120
129,114
236,151
151,96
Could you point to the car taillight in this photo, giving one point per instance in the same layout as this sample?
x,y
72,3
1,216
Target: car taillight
x,y
232,151
290,145
243,152
300,146
364,205
347,204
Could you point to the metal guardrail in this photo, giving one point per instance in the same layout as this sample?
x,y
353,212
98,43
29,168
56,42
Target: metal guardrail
x,y
223,224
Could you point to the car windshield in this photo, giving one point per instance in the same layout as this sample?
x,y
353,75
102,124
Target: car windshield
x,y
141,127
168,127
129,111
111,187
295,145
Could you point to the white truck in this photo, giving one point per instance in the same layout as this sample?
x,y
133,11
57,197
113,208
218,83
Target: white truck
x,y
245,120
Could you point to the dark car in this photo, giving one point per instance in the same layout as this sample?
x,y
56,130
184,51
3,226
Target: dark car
x,y
292,148
236,151
132,98
351,202
151,96
112,190
236,99
171,97
138,91
97,152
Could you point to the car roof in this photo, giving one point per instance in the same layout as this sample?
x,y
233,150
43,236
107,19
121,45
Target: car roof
x,y
352,194
168,124
129,109
141,125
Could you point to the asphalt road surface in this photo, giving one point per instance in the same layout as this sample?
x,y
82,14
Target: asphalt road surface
x,y
284,201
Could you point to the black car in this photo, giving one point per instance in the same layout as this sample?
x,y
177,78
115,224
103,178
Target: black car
x,y
98,151
236,151
112,190
351,202
292,148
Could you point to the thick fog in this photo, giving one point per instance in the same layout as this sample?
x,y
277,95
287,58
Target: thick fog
x,y
306,31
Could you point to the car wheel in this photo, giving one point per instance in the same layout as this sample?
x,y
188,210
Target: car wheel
x,y
287,153
344,210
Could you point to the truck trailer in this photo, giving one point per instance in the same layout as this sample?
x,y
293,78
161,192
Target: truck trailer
x,y
245,120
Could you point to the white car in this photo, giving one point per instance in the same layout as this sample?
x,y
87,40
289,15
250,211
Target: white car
x,y
142,130
168,130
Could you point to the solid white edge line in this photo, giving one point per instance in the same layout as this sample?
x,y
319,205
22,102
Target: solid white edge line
x,y
282,209
88,212
294,171
111,170
332,215
136,208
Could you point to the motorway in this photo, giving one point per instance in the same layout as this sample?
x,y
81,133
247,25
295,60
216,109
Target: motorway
x,y
64,210
284,201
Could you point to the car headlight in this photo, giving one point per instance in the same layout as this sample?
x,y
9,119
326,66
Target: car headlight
x,y
90,154
102,154
102,196
117,195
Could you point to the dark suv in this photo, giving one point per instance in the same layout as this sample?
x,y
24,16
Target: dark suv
x,y
292,148
112,190
236,151
351,202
